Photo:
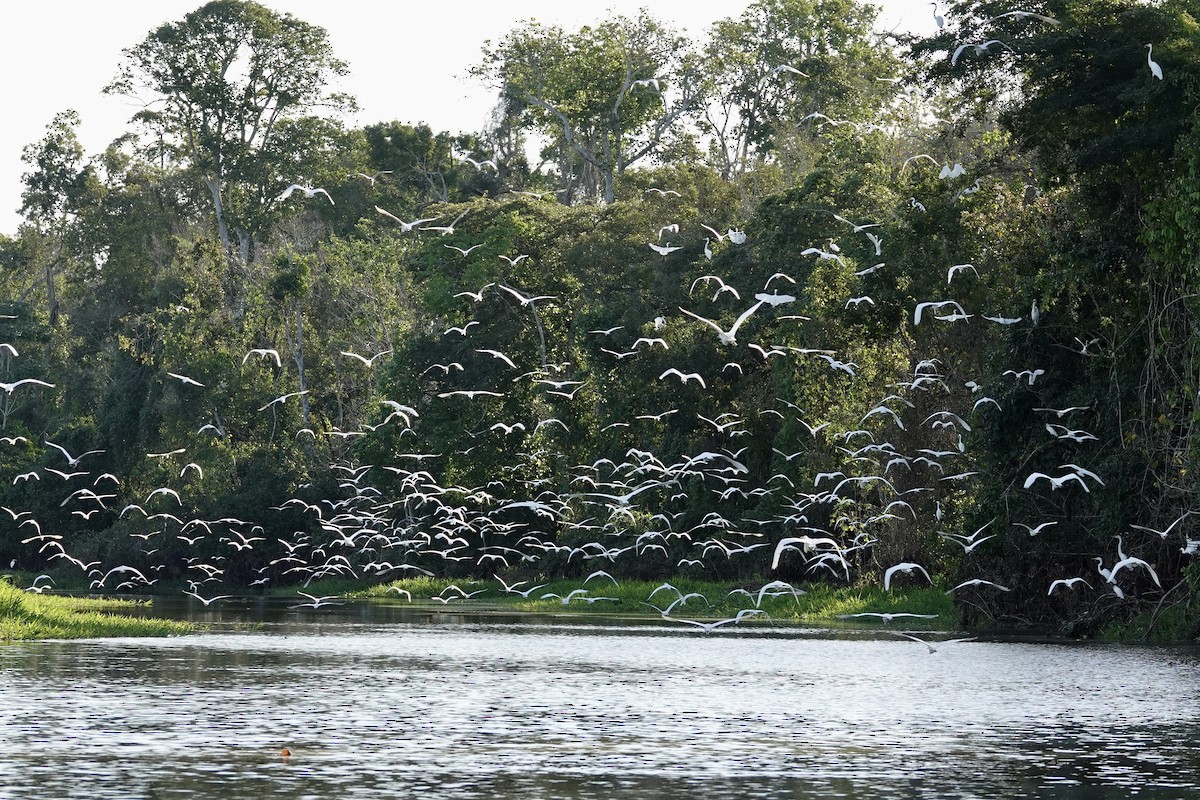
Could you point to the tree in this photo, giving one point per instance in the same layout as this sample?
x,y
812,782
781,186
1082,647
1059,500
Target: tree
x,y
225,82
1103,250
54,190
753,91
606,96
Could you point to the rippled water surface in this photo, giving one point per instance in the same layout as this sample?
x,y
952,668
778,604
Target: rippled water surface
x,y
463,707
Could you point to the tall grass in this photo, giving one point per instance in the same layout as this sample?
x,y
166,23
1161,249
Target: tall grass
x,y
26,616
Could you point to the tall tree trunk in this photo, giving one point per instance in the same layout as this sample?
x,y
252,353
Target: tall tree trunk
x,y
214,188
296,344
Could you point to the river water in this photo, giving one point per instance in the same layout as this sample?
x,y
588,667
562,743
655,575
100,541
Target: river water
x,y
373,703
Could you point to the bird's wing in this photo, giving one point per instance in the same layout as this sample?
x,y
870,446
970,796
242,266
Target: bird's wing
x,y
932,649
390,215
745,316
60,448
707,322
513,292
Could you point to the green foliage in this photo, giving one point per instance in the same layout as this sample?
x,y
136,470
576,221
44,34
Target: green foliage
x,y
313,361
230,89
754,105
58,176
599,93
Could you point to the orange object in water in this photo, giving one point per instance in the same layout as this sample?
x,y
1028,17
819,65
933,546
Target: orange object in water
x,y
285,753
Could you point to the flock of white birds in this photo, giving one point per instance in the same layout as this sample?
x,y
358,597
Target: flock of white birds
x,y
625,509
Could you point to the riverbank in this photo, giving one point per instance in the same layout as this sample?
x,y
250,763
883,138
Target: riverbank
x,y
686,599
26,616
30,616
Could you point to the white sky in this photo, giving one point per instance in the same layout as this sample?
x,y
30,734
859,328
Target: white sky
x,y
408,60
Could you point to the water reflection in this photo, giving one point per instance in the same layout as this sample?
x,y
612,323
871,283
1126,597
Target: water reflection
x,y
485,707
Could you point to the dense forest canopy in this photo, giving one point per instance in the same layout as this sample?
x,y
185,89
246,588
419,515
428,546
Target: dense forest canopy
x,y
797,301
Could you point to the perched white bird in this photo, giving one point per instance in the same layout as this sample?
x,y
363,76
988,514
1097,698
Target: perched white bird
x,y
1155,69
